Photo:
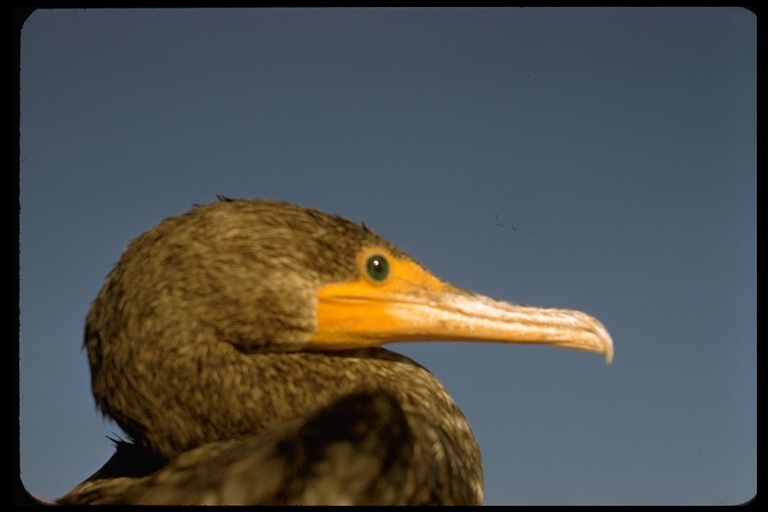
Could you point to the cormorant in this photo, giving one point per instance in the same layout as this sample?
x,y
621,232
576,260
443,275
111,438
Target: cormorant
x,y
238,345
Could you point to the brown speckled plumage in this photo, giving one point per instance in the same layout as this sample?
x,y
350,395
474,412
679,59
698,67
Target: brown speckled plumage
x,y
195,346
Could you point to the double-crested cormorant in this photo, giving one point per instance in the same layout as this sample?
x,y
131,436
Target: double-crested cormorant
x,y
238,345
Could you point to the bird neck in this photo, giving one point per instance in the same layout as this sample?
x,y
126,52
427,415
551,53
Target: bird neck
x,y
184,400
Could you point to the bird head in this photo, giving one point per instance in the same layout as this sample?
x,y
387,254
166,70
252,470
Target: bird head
x,y
195,298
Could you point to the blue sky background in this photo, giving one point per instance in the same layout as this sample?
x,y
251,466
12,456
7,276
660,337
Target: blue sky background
x,y
595,159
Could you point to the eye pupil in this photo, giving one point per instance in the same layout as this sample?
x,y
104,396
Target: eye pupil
x,y
377,267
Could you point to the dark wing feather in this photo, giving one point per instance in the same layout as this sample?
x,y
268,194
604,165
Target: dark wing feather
x,y
356,451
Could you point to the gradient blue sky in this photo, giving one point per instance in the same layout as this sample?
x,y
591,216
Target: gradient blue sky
x,y
595,159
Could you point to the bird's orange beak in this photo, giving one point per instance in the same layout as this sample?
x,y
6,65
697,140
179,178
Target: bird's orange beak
x,y
410,304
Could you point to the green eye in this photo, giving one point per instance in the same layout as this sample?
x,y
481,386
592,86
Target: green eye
x,y
377,267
